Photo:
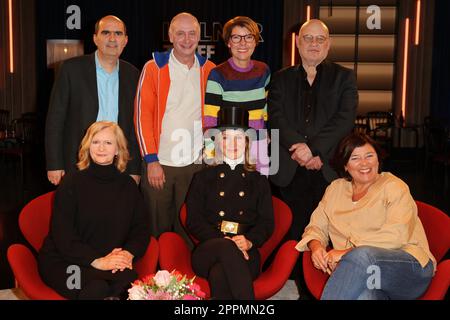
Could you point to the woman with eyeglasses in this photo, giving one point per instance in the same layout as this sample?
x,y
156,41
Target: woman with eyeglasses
x,y
240,81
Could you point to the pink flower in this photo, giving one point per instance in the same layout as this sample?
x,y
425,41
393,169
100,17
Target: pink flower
x,y
165,286
195,288
162,278
200,294
159,295
136,292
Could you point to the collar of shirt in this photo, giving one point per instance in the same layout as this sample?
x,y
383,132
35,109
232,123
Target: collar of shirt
x,y
239,69
99,67
233,162
108,92
181,66
305,75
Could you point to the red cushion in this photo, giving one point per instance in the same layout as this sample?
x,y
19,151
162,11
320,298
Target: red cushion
x,y
437,228
147,264
34,219
174,254
25,270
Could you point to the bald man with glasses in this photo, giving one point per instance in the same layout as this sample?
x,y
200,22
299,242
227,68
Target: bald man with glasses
x,y
313,105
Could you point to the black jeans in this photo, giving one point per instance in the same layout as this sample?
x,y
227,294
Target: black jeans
x,y
229,275
303,195
94,284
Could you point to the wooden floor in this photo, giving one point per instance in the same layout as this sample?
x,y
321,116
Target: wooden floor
x,y
14,193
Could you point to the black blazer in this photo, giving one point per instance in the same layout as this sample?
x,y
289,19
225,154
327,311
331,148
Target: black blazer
x,y
333,116
74,107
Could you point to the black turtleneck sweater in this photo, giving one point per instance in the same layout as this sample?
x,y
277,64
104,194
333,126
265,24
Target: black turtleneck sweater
x,y
96,210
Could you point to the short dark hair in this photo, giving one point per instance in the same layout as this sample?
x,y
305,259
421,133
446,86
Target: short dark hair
x,y
240,21
345,149
97,24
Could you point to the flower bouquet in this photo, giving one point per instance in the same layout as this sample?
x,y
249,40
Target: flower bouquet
x,y
165,285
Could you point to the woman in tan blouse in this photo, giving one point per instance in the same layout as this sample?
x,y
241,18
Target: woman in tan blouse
x,y
380,250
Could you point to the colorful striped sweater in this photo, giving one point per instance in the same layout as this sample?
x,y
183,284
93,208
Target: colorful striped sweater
x,y
229,85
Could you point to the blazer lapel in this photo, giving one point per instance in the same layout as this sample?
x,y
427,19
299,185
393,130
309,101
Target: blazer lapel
x,y
325,84
92,85
298,89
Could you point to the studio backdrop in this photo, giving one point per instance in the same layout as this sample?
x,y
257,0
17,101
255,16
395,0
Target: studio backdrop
x,y
147,27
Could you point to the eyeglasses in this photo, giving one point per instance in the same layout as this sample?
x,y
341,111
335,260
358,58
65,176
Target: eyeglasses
x,y
310,38
235,38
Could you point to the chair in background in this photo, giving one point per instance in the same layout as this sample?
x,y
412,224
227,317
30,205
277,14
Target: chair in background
x,y
4,120
381,126
436,224
34,222
175,254
23,139
361,125
437,150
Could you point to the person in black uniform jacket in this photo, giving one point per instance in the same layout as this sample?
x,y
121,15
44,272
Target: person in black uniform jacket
x,y
98,227
229,210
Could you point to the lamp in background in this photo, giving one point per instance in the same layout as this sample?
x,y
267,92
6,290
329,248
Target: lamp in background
x,y
59,50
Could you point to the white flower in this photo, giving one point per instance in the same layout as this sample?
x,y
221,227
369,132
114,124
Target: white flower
x,y
136,293
162,278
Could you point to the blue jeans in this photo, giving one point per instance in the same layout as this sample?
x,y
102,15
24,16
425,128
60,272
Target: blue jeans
x,y
371,273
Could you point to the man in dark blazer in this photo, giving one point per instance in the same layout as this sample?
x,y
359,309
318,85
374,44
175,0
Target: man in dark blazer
x,y
313,105
87,89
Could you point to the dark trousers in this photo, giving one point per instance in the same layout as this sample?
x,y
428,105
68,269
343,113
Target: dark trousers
x,y
302,195
229,275
94,284
163,206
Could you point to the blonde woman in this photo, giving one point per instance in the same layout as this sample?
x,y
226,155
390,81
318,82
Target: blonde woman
x,y
98,226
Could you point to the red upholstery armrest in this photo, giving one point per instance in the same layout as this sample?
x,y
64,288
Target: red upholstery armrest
x,y
24,266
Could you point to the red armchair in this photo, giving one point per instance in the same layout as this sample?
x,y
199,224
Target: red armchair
x,y
436,224
175,254
437,228
34,222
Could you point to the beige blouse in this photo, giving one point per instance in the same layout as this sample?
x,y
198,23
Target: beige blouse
x,y
386,217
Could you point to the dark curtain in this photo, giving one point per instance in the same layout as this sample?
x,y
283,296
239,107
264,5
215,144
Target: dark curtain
x,y
147,23
440,92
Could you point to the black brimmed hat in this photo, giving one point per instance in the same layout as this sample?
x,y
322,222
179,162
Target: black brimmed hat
x,y
232,118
